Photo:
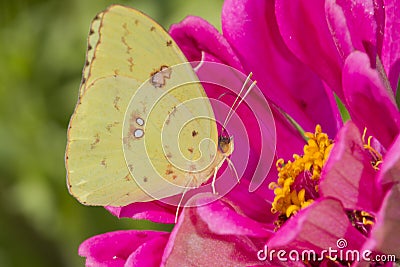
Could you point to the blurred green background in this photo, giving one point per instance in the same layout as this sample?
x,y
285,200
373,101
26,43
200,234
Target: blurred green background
x,y
42,52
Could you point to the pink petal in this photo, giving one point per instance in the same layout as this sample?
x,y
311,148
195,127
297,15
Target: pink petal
x,y
195,35
154,211
385,235
391,42
114,248
254,205
353,26
225,219
250,27
289,141
317,227
348,174
193,244
390,169
304,29
149,254
369,102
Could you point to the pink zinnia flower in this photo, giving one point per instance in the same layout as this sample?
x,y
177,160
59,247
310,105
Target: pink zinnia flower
x,y
300,53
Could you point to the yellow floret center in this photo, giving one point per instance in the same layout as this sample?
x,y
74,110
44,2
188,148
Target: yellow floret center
x,y
297,183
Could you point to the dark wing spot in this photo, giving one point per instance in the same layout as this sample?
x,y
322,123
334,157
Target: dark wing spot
x,y
130,60
96,141
158,77
111,125
116,99
190,149
104,163
168,172
169,43
194,133
145,179
174,176
152,28
128,177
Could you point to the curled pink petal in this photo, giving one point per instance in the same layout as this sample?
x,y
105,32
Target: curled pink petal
x,y
369,101
353,26
348,174
114,248
194,35
154,211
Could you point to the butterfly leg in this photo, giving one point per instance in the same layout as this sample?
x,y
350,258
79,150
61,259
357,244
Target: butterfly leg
x,y
232,167
213,181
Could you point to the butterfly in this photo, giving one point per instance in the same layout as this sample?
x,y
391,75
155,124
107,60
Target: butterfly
x,y
143,127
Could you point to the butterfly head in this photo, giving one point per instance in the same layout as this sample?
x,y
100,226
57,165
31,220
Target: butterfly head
x,y
225,145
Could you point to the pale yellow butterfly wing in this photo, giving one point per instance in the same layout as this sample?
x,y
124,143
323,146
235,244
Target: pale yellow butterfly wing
x,y
125,49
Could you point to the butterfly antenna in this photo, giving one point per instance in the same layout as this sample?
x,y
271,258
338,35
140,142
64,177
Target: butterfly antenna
x,y
234,102
180,201
241,100
198,66
233,108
